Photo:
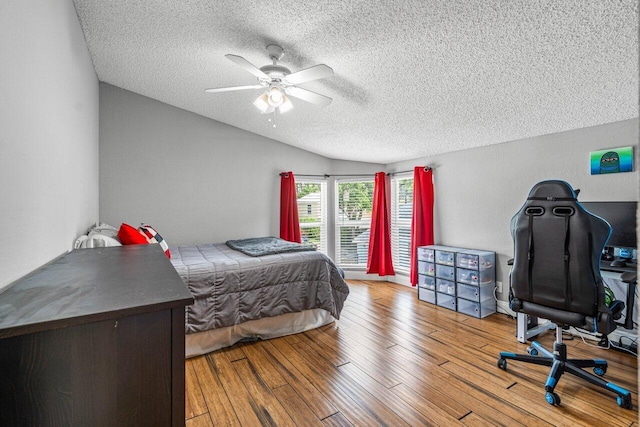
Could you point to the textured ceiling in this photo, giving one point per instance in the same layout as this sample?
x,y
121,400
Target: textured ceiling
x,y
412,78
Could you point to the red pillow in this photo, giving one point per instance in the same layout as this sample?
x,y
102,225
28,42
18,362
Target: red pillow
x,y
131,236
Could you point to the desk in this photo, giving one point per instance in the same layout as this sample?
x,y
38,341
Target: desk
x,y
615,273
630,267
95,338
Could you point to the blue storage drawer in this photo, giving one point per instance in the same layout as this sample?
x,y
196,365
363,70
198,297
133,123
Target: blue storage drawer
x,y
445,257
425,254
475,293
475,277
446,286
477,309
427,268
476,260
427,282
445,272
446,301
427,295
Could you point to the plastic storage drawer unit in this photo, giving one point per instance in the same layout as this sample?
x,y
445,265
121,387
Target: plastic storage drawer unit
x,y
459,279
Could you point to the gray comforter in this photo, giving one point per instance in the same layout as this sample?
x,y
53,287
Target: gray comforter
x,y
230,287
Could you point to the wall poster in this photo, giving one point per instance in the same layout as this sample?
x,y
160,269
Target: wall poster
x,y
612,160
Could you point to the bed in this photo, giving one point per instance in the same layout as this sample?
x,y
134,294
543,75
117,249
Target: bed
x,y
248,297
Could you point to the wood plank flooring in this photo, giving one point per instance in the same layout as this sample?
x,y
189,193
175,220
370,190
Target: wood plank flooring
x,y
393,360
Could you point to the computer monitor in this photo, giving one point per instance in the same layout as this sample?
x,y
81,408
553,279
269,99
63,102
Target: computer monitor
x,y
622,218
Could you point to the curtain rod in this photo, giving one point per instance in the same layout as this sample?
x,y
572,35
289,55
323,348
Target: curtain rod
x,y
426,168
308,176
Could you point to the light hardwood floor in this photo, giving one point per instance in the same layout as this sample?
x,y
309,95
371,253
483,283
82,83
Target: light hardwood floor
x,y
396,361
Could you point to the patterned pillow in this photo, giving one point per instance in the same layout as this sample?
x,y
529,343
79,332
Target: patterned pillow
x,y
130,236
153,237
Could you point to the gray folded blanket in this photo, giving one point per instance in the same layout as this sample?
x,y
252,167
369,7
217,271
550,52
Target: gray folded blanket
x,y
259,246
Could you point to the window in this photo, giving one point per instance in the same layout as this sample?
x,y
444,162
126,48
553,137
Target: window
x,y
312,202
354,198
401,211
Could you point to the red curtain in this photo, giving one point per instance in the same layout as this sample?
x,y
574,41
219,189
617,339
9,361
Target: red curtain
x,y
289,222
380,235
422,218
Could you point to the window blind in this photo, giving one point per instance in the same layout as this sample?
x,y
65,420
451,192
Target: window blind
x,y
354,198
401,211
312,212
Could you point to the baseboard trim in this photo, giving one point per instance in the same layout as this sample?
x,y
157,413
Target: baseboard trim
x,y
400,279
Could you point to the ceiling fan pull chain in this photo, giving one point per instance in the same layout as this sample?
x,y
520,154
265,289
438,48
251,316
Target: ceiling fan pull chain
x,y
273,120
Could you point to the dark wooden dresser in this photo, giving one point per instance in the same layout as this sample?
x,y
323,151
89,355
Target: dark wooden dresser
x,y
95,338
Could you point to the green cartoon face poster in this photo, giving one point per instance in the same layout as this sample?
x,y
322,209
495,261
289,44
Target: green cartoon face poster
x,y
613,160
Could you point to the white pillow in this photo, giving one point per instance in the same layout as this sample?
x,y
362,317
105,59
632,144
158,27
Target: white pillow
x,y
100,236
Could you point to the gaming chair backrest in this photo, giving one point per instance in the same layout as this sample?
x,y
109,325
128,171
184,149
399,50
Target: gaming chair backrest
x,y
557,247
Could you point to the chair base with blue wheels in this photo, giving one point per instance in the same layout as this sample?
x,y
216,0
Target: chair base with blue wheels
x,y
560,364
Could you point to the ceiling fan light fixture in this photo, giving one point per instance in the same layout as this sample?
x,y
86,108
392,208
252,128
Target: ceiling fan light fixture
x,y
286,104
262,103
275,97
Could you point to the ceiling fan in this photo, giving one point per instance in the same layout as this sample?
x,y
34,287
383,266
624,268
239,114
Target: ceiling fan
x,y
278,81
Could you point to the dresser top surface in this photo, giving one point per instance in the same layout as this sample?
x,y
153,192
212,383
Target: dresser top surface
x,y
92,285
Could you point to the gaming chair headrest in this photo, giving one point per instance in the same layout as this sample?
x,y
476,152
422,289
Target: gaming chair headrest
x,y
552,190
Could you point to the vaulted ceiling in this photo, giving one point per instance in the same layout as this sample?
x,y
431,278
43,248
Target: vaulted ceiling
x,y
411,78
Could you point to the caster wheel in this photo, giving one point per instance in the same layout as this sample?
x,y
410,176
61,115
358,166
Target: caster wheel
x,y
600,370
552,398
502,364
624,402
532,351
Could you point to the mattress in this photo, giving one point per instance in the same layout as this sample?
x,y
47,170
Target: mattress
x,y
231,288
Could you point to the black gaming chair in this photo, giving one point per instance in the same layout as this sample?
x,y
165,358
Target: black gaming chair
x,y
556,276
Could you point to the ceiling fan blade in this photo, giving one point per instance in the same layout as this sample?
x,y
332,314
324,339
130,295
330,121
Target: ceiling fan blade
x,y
239,60
308,74
307,95
229,89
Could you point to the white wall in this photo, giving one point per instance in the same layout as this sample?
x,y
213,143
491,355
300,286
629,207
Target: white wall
x,y
194,179
477,191
48,134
